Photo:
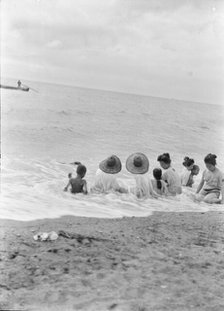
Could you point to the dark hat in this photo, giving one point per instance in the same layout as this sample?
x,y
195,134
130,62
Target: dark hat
x,y
111,165
137,163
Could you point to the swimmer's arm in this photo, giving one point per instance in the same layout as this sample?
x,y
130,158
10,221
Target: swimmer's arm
x,y
85,191
69,184
200,185
190,181
220,181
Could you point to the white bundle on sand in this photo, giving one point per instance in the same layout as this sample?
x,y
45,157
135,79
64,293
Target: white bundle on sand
x,y
46,236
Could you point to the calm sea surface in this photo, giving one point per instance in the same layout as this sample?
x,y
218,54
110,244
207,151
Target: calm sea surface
x,y
42,132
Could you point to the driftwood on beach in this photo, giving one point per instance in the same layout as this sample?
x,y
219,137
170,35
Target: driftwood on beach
x,y
79,237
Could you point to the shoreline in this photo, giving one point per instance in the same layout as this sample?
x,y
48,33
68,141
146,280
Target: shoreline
x,y
166,261
77,217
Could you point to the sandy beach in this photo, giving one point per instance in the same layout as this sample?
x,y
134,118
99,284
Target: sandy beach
x,y
168,261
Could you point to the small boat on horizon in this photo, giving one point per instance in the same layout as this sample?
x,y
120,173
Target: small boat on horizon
x,y
18,88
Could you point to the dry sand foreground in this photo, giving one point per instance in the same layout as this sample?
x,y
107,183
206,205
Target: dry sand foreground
x,y
168,261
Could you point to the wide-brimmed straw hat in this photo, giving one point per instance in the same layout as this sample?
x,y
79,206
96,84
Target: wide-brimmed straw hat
x,y
111,165
137,163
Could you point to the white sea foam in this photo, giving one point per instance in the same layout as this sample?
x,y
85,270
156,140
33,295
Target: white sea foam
x,y
43,132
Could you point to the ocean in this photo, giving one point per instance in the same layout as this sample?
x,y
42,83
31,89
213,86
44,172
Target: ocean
x,y
44,131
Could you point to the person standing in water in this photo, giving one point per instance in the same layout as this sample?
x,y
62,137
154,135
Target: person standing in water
x,y
19,83
77,184
170,176
211,183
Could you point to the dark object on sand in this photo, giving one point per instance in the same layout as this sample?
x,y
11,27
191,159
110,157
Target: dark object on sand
x,y
18,88
79,237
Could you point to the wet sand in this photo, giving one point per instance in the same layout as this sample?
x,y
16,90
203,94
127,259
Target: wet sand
x,y
168,261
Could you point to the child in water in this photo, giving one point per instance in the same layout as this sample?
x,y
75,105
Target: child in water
x,y
159,185
78,184
210,186
195,171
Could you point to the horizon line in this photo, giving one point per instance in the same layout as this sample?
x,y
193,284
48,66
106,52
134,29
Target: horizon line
x,y
119,92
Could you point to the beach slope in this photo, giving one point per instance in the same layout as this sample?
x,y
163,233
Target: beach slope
x,y
168,261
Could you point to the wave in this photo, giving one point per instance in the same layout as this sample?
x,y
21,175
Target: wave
x,y
37,193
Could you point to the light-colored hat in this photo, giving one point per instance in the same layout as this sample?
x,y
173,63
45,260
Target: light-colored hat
x,y
111,165
137,163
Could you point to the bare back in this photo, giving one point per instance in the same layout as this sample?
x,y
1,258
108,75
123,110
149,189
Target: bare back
x,y
77,185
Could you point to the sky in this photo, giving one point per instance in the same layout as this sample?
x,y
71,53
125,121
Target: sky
x,y
164,48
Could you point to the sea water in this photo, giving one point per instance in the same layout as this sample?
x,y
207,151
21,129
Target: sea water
x,y
46,129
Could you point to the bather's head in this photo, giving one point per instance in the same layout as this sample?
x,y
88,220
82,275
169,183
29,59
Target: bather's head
x,y
81,170
210,161
188,163
157,173
195,170
164,160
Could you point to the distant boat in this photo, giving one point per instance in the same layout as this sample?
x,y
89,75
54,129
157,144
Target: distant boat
x,y
18,88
